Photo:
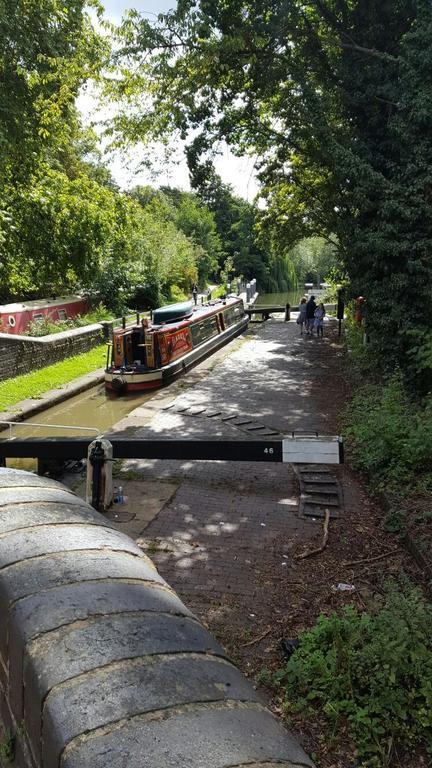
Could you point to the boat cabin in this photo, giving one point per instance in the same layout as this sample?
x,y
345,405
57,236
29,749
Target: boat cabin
x,y
176,333
16,317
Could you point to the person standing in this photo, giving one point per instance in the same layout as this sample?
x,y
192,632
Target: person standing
x,y
301,319
195,292
310,315
319,319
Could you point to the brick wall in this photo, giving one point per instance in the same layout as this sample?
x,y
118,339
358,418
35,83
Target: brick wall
x,y
23,354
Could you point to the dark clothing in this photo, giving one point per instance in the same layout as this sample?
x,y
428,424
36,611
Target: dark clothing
x,y
310,309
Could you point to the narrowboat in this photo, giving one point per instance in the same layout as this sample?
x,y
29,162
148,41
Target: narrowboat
x,y
148,355
15,318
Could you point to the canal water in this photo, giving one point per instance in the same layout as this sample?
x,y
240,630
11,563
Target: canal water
x,y
278,299
98,409
94,408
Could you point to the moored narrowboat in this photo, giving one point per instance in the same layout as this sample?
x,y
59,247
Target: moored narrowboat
x,y
15,318
148,355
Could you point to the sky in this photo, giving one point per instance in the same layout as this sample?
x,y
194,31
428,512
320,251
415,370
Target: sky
x,y
239,172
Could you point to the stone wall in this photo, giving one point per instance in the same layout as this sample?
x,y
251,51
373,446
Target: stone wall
x,y
23,354
101,664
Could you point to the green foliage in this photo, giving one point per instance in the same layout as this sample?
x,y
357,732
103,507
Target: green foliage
x,y
177,294
334,98
389,435
7,746
47,51
236,222
58,232
369,674
33,385
313,260
45,326
198,223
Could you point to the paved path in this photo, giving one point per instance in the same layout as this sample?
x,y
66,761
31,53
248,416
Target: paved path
x,y
230,530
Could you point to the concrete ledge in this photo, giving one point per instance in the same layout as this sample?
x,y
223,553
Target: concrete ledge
x,y
101,664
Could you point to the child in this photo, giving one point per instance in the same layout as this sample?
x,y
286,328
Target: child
x,y
319,319
301,319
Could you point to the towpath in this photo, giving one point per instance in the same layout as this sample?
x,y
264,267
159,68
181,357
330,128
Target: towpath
x,y
225,534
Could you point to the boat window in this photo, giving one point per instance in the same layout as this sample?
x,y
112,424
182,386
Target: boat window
x,y
62,314
38,317
205,329
232,314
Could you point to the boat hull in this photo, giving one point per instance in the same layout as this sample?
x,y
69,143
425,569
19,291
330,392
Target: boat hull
x,y
133,381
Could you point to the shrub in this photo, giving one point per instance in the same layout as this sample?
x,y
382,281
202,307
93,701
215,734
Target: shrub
x,y
45,325
369,674
177,294
389,435
145,297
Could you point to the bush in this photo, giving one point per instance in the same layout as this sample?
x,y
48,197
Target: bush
x,y
145,297
177,294
368,674
45,326
389,435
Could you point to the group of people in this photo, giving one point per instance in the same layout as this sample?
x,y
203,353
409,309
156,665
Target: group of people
x,y
311,316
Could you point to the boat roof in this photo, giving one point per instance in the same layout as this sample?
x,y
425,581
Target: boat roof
x,y
197,313
172,312
31,306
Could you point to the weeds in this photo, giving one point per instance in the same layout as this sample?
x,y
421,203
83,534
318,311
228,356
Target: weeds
x,y
7,747
46,326
370,675
389,436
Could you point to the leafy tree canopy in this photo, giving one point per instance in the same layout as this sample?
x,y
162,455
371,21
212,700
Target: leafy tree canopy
x,y
335,98
48,49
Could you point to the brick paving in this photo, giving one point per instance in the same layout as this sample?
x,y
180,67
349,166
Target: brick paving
x,y
231,529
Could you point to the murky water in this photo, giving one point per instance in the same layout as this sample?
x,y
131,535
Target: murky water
x,y
94,408
278,299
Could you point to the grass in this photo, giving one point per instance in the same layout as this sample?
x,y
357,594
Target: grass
x,y
33,385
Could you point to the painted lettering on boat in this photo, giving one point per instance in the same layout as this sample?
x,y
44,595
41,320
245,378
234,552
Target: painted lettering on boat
x,y
175,344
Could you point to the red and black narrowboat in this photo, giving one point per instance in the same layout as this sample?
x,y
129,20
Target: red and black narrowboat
x,y
148,355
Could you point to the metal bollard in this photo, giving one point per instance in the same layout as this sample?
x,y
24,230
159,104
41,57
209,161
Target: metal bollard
x,y
99,489
287,312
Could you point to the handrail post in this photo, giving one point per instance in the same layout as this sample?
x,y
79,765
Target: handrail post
x,y
287,312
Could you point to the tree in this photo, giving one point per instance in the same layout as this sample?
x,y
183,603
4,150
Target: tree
x,y
47,51
198,223
313,259
335,99
235,220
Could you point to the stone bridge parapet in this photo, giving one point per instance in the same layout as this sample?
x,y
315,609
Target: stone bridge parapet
x,y
101,664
